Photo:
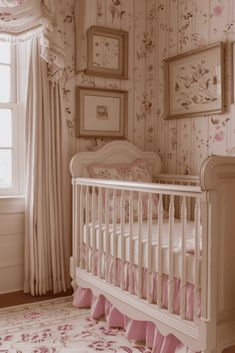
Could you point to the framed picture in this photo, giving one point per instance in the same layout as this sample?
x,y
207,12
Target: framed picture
x,y
233,72
107,52
194,83
101,113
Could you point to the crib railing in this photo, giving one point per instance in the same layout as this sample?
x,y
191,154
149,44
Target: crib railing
x,y
117,207
175,179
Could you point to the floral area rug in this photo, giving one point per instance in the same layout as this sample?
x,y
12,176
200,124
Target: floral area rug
x,y
56,326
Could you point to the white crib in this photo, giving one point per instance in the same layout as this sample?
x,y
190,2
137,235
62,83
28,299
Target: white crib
x,y
192,238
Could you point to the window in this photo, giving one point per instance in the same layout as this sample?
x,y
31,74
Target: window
x,y
11,135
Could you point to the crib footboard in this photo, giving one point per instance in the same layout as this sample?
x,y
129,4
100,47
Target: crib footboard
x,y
130,246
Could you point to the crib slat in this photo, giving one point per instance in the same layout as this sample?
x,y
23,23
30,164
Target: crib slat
x,y
107,235
197,258
149,232
87,229
100,233
205,258
122,235
93,206
131,284
188,205
183,258
114,239
76,239
81,222
140,232
171,256
159,231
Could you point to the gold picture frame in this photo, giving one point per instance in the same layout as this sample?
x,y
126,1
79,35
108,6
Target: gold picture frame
x,y
107,52
194,83
101,113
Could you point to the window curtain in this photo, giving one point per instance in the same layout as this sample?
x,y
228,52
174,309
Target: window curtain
x,y
47,235
21,20
47,214
85,19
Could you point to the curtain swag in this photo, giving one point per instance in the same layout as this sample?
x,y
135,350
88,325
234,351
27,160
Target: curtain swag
x,y
25,19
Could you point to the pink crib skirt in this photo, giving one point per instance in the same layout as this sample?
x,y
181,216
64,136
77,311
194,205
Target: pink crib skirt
x,y
137,330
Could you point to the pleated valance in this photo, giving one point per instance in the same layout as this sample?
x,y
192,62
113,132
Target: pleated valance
x,y
24,19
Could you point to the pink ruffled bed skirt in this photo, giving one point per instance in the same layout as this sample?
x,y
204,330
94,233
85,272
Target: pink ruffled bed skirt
x,y
137,330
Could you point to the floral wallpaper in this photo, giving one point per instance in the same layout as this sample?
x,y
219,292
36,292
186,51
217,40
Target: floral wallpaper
x,y
177,26
157,29
128,15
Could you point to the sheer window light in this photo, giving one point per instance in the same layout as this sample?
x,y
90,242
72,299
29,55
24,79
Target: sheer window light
x,y
10,139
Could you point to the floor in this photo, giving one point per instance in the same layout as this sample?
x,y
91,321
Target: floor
x,y
230,350
57,326
18,298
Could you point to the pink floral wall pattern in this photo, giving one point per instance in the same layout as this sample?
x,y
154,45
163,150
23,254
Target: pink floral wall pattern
x,y
128,15
181,26
157,29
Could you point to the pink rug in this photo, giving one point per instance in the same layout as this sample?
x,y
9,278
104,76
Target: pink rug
x,y
56,326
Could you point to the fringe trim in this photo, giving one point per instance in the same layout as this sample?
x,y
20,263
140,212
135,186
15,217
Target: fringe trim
x,y
13,37
51,53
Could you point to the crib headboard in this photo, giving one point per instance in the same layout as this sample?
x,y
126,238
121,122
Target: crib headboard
x,y
113,152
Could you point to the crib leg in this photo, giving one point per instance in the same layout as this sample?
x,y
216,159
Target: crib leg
x,y
74,285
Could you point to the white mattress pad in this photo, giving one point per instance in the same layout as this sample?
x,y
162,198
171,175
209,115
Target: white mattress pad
x,y
93,238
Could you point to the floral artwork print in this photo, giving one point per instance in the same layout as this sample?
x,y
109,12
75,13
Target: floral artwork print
x,y
58,327
105,52
194,85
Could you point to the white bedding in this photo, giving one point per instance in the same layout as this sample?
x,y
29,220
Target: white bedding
x,y
165,241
